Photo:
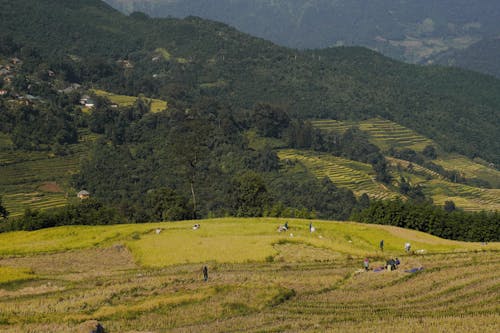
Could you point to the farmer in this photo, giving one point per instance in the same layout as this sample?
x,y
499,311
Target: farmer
x,y
286,225
407,247
205,273
366,264
391,264
381,245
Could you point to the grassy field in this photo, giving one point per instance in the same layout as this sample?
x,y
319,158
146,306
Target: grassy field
x,y
38,180
157,105
132,279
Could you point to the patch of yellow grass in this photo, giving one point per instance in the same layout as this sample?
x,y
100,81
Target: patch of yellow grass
x,y
163,53
14,274
148,305
157,105
228,240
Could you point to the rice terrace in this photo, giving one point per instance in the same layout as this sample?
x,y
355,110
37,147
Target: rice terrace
x,y
148,278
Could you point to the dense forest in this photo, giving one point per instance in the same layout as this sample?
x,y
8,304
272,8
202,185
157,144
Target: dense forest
x,y
187,59
447,223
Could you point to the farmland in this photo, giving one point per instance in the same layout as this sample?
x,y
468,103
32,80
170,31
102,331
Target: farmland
x,y
353,175
386,134
383,133
132,279
39,179
123,100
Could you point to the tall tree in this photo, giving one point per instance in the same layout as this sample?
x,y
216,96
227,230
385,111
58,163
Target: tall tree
x,y
3,211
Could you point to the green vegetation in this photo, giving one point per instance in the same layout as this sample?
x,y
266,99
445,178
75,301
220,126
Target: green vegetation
x,y
314,279
13,274
39,179
457,109
437,175
480,56
447,222
155,105
233,101
356,176
411,30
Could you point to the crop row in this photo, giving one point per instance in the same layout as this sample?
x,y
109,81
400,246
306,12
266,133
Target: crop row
x,y
342,172
464,196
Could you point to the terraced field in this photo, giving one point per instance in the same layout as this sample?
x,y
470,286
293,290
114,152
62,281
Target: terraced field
x,y
465,197
386,134
383,133
470,169
353,175
300,287
397,163
333,125
38,180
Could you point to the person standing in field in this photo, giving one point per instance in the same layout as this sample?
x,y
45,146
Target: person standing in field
x,y
407,247
381,245
366,264
205,273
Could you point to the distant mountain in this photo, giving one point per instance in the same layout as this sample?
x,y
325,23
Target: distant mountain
x,y
482,57
410,30
186,59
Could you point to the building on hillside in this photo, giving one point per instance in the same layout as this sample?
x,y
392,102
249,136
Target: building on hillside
x,y
87,101
3,92
83,195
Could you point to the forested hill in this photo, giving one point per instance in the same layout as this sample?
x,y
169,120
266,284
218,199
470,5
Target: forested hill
x,y
86,41
481,57
412,30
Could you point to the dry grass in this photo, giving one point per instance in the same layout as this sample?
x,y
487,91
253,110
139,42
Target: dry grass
x,y
309,284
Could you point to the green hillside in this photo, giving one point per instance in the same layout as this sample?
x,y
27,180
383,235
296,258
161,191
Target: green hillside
x,y
457,109
123,101
356,176
130,278
40,179
386,135
481,57
411,30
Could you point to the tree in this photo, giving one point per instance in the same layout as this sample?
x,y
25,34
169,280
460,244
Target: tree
x,y
449,206
430,152
3,211
269,120
166,205
249,195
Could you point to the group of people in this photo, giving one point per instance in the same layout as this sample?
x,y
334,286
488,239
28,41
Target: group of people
x,y
391,264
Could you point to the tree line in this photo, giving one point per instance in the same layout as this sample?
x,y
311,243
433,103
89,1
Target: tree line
x,y
447,223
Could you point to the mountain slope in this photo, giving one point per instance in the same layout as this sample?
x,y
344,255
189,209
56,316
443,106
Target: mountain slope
x,y
480,57
411,30
457,109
